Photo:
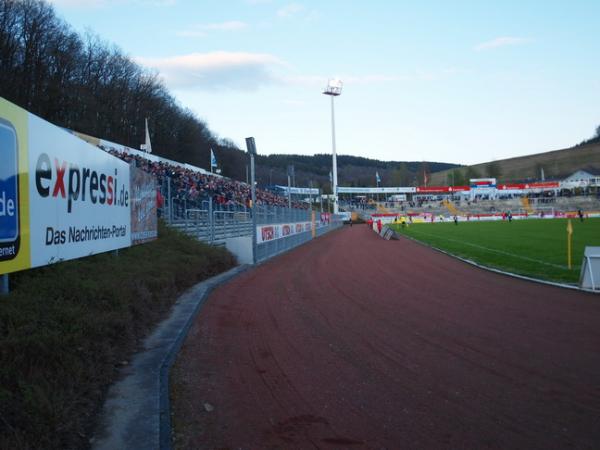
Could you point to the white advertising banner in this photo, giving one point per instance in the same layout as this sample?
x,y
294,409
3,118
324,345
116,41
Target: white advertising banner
x,y
376,190
144,222
298,190
267,233
79,196
60,197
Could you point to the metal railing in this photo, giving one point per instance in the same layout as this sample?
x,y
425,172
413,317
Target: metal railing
x,y
214,223
269,249
213,226
276,214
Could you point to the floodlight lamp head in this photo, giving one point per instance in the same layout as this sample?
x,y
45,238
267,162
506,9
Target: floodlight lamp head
x,y
251,145
334,87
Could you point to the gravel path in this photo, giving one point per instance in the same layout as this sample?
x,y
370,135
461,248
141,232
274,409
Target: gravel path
x,y
351,341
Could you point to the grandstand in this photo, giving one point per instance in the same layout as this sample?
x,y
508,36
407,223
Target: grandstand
x,y
531,206
214,208
483,199
208,206
189,183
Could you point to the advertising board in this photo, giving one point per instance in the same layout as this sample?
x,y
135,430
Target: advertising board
x,y
60,198
144,222
432,189
14,198
267,233
79,196
376,190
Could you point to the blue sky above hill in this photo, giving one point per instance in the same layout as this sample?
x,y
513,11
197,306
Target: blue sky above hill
x,y
463,81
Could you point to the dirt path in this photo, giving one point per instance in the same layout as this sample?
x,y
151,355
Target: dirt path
x,y
355,342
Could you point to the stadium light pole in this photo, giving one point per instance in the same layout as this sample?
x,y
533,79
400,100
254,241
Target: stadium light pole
x,y
333,89
251,147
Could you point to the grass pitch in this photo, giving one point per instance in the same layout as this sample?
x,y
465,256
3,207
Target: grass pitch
x,y
535,248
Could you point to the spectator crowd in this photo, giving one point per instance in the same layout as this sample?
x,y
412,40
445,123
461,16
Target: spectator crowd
x,y
194,187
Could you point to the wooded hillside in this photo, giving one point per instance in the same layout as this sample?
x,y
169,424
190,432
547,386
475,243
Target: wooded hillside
x,y
556,165
84,83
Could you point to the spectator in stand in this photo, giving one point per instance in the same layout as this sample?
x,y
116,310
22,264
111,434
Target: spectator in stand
x,y
160,202
189,185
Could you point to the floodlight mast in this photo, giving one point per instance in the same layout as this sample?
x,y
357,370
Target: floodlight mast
x,y
251,147
333,89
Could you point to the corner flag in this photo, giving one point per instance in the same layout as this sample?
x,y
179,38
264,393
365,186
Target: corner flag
x,y
569,237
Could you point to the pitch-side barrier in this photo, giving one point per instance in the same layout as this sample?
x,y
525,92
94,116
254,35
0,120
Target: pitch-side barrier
x,y
278,229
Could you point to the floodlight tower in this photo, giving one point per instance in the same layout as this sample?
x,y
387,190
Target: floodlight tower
x,y
333,89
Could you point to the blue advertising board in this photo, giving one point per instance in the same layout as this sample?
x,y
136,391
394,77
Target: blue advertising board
x,y
9,192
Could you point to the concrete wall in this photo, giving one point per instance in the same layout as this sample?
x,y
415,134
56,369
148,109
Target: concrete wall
x,y
241,247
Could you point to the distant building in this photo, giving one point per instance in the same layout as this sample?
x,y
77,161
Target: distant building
x,y
580,178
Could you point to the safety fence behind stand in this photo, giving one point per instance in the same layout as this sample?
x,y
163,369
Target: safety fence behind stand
x,y
272,248
215,224
269,249
271,215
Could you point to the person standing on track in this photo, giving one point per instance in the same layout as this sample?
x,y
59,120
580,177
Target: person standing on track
x,y
379,226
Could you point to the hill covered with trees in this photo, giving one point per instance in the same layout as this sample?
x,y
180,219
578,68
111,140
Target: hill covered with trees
x,y
352,170
593,140
83,83
555,165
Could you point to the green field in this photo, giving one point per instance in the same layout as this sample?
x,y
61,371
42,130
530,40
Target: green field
x,y
535,248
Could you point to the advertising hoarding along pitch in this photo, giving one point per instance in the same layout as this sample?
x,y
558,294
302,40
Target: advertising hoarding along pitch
x,y
298,190
60,198
376,190
14,193
79,196
432,189
267,233
144,222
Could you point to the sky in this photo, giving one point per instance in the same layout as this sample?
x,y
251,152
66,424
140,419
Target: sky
x,y
463,81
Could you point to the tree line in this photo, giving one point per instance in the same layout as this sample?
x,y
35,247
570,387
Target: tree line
x,y
352,170
83,83
593,140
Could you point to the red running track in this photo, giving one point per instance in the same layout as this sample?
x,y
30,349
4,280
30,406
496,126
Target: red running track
x,y
351,341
